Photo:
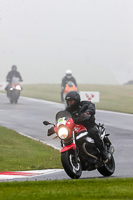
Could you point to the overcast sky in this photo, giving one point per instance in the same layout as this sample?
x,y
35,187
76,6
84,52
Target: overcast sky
x,y
93,38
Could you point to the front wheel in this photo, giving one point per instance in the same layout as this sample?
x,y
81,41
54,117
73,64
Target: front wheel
x,y
109,168
73,170
16,95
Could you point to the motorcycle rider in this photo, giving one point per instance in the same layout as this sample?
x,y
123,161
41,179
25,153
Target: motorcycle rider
x,y
83,112
10,75
68,77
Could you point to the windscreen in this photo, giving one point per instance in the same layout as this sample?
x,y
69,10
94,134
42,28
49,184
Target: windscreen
x,y
61,114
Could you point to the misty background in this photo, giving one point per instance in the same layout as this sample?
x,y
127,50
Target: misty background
x,y
93,38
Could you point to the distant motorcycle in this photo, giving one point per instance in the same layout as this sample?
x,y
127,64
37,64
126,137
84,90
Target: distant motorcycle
x,y
14,90
79,152
69,87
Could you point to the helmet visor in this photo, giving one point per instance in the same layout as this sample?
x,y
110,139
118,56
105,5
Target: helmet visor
x,y
70,102
69,75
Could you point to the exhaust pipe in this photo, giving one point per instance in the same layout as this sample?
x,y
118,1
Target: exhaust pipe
x,y
92,156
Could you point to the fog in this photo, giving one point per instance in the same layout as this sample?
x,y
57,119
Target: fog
x,y
93,38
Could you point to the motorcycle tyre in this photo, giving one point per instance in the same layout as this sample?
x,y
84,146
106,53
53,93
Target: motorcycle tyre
x,y
69,169
17,94
109,168
14,96
11,100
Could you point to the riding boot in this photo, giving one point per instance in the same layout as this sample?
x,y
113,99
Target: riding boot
x,y
99,144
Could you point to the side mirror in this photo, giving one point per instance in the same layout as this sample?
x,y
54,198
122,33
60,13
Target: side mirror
x,y
46,123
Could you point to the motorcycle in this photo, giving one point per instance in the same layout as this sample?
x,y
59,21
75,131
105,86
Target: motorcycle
x,y
14,90
79,152
69,87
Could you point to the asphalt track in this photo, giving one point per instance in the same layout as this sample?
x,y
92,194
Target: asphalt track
x,y
27,116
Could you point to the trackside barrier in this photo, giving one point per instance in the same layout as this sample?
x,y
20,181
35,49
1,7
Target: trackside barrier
x,y
90,96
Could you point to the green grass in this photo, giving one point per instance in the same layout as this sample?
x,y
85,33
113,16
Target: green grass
x,y
91,189
112,97
19,153
50,92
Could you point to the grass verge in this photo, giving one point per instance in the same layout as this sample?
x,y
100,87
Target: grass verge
x,y
117,98
19,153
91,189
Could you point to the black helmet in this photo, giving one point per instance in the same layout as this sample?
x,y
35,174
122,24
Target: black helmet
x,y
14,68
72,99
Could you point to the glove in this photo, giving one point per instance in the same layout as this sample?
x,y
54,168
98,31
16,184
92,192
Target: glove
x,y
84,117
83,109
81,118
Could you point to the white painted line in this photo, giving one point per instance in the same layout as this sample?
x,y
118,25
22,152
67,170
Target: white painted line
x,y
51,102
40,141
27,174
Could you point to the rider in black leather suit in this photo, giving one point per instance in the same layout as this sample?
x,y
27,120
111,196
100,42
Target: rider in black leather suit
x,y
10,75
68,77
83,112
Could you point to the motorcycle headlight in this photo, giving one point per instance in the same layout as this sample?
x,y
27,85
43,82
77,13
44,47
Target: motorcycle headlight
x,y
18,87
63,133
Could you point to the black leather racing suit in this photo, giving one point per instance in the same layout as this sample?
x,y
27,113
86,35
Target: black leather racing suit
x,y
85,115
12,74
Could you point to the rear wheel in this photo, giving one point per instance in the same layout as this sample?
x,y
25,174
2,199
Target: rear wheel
x,y
73,170
109,168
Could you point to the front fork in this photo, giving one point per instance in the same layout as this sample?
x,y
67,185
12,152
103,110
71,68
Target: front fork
x,y
71,146
75,150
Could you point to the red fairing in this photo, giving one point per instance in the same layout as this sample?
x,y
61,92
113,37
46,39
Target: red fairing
x,y
55,129
12,84
79,128
70,124
66,148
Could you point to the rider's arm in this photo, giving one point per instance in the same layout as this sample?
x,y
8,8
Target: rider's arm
x,y
20,78
63,83
87,107
87,110
8,77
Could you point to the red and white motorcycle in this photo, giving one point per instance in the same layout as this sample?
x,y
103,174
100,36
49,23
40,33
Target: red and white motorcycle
x,y
14,90
79,152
